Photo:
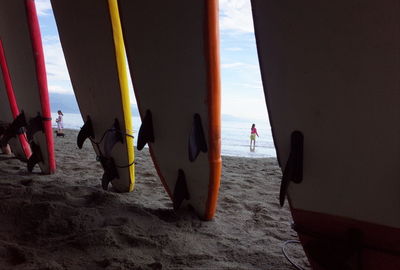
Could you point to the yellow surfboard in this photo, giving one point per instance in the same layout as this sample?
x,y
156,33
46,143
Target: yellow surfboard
x,y
91,38
123,81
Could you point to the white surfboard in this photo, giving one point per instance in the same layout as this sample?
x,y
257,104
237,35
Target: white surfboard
x,y
91,39
20,36
172,49
331,71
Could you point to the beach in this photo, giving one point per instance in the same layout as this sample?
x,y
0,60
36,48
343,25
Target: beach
x,y
66,220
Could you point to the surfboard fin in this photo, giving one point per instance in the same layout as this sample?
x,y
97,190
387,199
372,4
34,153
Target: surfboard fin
x,y
110,171
14,129
112,137
36,156
294,166
146,131
34,125
180,191
197,140
85,132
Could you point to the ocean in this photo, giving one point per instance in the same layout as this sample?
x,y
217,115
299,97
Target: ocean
x,y
235,135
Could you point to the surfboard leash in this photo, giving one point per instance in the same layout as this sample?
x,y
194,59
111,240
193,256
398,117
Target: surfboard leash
x,y
102,155
298,267
110,137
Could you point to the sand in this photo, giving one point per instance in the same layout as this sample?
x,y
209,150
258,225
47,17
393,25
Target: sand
x,y
66,220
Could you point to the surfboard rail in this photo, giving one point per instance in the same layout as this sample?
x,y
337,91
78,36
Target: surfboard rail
x,y
214,95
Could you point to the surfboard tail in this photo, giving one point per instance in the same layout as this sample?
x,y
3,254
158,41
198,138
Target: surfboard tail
x,y
333,242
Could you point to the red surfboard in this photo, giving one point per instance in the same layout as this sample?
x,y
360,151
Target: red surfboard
x,y
9,108
330,71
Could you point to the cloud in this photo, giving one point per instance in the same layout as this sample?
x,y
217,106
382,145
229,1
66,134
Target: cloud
x,y
233,65
59,89
55,62
53,38
243,66
236,49
43,7
242,106
256,85
236,15
56,68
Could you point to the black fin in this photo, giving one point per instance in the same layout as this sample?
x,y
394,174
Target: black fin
x,y
111,138
34,125
146,131
197,140
110,171
180,191
36,156
13,129
85,132
294,166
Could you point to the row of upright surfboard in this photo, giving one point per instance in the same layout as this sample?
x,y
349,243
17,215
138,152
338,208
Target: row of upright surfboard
x,y
185,94
331,75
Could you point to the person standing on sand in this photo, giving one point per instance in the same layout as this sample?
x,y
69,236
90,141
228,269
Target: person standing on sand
x,y
59,121
253,137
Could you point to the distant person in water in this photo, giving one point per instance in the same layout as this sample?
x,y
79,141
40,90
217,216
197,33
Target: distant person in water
x,y
59,122
253,134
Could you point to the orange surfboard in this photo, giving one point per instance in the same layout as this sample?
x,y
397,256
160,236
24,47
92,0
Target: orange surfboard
x,y
173,55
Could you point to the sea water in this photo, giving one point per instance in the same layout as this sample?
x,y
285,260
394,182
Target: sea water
x,y
235,135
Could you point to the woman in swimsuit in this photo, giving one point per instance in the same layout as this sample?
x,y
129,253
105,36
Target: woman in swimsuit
x,y
253,137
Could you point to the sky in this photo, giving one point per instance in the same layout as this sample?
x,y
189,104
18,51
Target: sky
x,y
242,90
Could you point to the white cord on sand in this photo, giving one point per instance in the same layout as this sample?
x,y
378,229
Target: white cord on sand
x,y
287,257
